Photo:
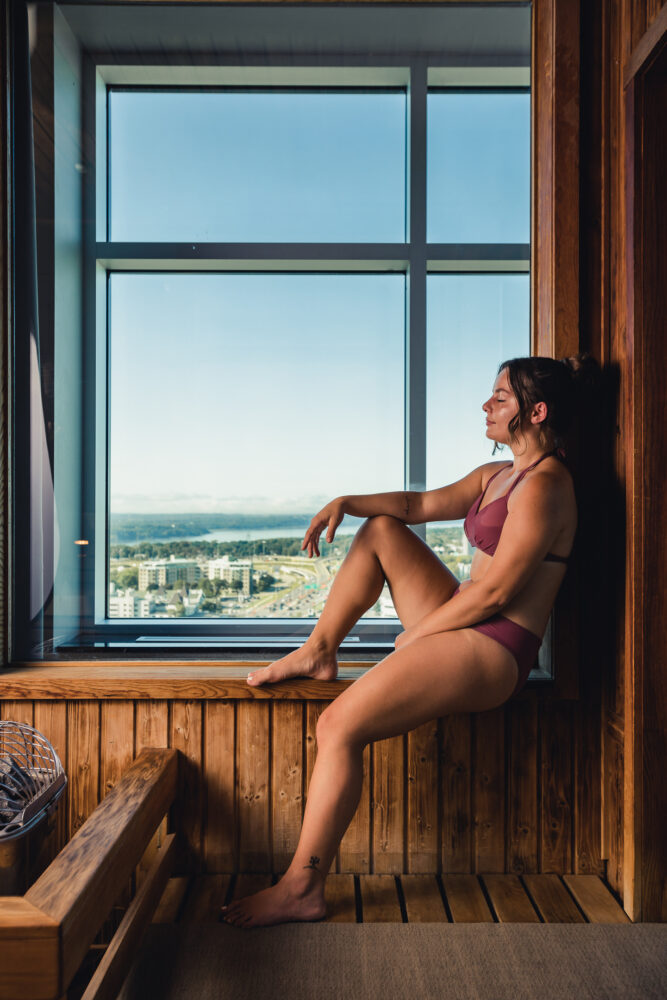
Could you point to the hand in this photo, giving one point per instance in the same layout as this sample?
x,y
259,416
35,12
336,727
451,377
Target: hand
x,y
329,517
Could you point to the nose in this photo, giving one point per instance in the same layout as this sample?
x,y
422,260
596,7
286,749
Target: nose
x,y
485,406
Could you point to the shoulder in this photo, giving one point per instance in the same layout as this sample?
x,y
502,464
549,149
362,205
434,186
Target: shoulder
x,y
550,487
489,470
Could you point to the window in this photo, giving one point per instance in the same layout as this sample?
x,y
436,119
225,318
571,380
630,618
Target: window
x,y
298,272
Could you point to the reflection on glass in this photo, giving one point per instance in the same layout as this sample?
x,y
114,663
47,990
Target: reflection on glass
x,y
478,167
474,322
257,166
240,405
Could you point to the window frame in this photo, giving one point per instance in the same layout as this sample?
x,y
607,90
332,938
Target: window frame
x,y
414,258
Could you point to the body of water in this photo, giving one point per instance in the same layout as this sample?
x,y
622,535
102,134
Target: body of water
x,y
264,534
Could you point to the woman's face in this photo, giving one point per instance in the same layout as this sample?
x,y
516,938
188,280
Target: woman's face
x,y
501,406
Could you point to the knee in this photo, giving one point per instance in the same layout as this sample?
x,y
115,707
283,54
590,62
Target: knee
x,y
380,526
331,728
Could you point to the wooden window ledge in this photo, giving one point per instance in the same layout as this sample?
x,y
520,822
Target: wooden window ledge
x,y
186,679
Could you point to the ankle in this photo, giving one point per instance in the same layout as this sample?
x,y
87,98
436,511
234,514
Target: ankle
x,y
303,881
320,646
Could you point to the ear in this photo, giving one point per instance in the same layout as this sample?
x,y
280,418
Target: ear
x,y
538,413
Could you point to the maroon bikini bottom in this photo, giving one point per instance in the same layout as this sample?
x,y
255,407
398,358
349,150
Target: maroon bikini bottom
x,y
521,642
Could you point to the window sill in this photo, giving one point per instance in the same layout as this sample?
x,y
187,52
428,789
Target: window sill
x,y
85,680
182,679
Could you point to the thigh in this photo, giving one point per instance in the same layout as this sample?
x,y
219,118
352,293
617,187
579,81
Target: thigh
x,y
457,671
418,581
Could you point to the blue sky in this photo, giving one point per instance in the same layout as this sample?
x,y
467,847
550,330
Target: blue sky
x,y
276,392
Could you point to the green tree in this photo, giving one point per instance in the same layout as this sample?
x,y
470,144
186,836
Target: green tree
x,y
128,578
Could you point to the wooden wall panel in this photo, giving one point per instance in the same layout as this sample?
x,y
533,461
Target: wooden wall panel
x,y
388,805
187,815
116,742
50,719
618,38
459,794
83,761
522,804
421,799
254,801
220,787
287,802
488,791
556,787
456,781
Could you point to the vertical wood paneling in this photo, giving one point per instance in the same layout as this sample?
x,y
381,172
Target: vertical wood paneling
x,y
522,803
19,711
488,793
83,761
50,719
220,786
388,805
355,847
116,755
252,761
101,739
151,727
287,771
613,781
456,778
186,736
422,799
116,742
587,820
638,15
556,787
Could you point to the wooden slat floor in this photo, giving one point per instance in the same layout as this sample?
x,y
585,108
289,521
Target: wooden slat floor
x,y
414,898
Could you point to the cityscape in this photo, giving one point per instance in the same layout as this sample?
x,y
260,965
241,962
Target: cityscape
x,y
258,578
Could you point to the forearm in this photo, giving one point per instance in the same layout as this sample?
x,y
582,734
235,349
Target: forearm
x,y
403,504
472,604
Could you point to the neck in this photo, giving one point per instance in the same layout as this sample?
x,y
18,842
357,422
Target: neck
x,y
528,455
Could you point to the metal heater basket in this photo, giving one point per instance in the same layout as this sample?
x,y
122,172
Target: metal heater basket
x,y
32,779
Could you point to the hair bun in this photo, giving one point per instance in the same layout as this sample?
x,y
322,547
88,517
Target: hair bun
x,y
584,367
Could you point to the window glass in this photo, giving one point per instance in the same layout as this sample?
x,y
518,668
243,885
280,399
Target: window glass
x,y
478,167
239,405
257,166
474,322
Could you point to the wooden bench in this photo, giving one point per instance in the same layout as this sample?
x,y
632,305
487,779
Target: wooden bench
x,y
45,934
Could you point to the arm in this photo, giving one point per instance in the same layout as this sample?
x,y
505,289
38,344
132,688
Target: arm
x,y
404,505
532,523
447,503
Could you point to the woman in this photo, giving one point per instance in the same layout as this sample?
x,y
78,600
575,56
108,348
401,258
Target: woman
x,y
458,653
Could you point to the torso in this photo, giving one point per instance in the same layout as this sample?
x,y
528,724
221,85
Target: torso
x,y
532,606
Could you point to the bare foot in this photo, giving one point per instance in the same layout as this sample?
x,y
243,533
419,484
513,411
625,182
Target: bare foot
x,y
279,904
311,660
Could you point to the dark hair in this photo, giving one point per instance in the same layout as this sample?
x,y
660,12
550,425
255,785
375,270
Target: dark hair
x,y
564,385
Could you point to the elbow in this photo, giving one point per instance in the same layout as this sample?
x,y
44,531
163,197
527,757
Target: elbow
x,y
496,596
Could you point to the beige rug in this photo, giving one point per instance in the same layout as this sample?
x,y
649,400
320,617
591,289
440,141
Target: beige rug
x,y
401,962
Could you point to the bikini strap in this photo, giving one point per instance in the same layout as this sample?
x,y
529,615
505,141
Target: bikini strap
x,y
483,493
529,467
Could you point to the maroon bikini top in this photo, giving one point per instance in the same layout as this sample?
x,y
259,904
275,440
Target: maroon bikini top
x,y
483,527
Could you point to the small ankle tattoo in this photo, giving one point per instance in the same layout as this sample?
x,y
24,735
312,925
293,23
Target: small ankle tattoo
x,y
313,862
